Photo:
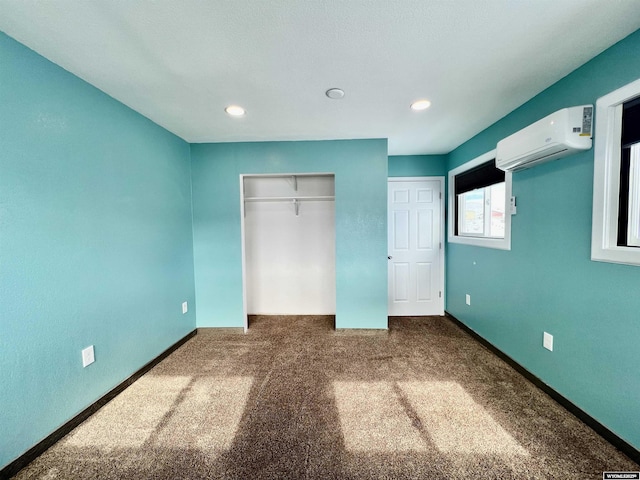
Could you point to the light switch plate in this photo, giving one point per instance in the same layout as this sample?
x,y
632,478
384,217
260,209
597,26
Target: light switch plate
x,y
185,308
547,341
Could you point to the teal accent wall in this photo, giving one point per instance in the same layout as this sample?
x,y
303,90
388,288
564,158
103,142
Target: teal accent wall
x,y
418,165
360,168
95,245
547,281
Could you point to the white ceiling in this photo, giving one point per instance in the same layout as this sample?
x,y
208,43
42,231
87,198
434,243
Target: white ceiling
x,y
180,62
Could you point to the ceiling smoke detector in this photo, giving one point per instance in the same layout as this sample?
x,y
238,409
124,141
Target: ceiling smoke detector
x,y
335,93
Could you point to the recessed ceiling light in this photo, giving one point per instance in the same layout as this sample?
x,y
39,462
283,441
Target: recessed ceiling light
x,y
420,105
334,93
235,110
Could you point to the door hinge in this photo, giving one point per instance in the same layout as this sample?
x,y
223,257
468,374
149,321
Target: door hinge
x,y
440,245
440,294
440,195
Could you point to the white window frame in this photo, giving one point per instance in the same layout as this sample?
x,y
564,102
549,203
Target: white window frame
x,y
498,243
606,178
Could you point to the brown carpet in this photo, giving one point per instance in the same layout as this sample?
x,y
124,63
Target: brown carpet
x,y
293,399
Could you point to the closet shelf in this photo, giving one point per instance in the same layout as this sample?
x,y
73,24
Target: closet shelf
x,y
301,198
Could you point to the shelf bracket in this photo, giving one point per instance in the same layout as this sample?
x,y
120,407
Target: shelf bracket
x,y
295,205
295,183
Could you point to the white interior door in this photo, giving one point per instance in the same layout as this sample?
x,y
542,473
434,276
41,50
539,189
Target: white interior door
x,y
416,248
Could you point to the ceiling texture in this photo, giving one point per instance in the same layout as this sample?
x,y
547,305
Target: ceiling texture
x,y
181,62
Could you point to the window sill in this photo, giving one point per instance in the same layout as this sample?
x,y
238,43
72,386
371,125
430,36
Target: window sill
x,y
497,243
621,255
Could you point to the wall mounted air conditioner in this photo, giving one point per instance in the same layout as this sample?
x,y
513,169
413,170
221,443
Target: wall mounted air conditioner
x,y
560,134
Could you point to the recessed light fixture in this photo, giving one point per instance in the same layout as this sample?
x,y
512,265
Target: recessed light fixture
x,y
235,110
420,105
334,93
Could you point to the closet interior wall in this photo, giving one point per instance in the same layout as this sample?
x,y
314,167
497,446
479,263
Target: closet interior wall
x,y
289,244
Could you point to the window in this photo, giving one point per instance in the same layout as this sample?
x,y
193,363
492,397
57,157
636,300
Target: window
x,y
478,194
481,212
633,218
628,212
616,187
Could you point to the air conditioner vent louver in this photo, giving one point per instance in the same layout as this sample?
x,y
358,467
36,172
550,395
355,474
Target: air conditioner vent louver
x,y
560,134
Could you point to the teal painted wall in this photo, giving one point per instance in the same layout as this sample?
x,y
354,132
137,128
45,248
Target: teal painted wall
x,y
95,244
547,282
360,168
417,165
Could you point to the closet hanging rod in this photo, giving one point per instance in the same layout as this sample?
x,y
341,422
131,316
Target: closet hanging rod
x,y
317,198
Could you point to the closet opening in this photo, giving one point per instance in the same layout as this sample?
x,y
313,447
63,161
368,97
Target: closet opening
x,y
288,247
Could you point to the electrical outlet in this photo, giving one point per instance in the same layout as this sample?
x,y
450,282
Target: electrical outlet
x,y
468,299
185,308
88,356
547,341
